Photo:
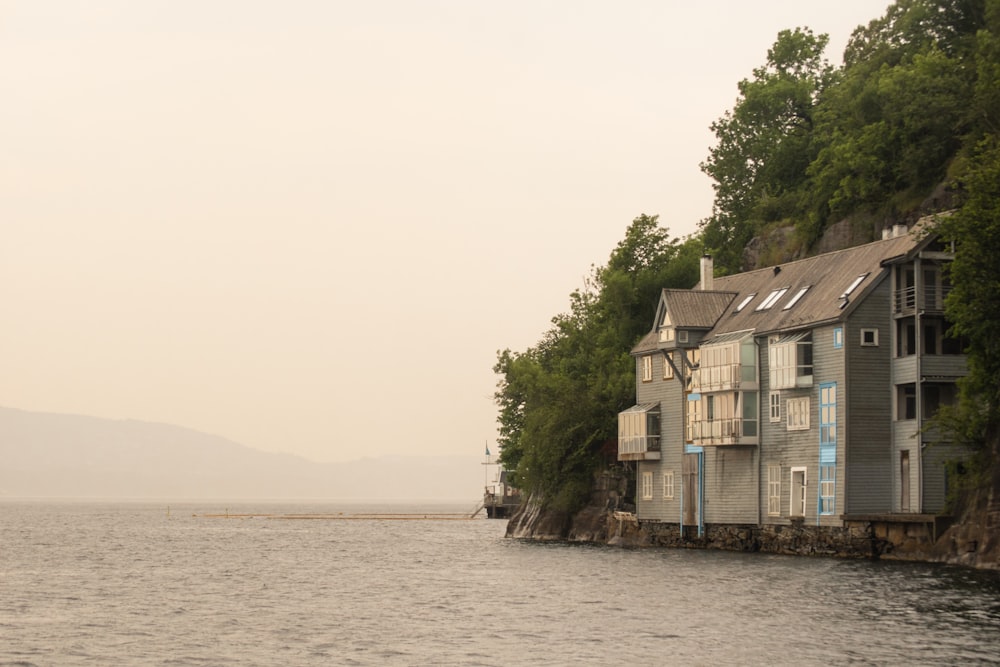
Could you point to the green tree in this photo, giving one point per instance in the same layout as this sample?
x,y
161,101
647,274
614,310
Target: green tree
x,y
558,401
764,144
974,308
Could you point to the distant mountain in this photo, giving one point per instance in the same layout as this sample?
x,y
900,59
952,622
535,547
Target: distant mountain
x,y
71,456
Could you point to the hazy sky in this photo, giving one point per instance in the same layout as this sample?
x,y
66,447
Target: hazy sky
x,y
308,226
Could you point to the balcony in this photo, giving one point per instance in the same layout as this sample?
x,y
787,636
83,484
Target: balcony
x,y
716,378
733,431
639,448
639,433
929,299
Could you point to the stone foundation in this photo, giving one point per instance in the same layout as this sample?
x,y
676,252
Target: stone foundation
x,y
795,539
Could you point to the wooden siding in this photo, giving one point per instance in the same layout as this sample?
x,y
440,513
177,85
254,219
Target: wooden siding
x,y
800,448
731,484
904,439
869,406
669,394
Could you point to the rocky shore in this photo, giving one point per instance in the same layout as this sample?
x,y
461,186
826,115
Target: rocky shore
x,y
970,541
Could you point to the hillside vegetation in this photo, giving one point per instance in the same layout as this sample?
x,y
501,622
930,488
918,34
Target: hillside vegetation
x,y
907,126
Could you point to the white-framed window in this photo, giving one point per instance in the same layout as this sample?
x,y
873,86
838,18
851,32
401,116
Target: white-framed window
x,y
795,299
790,360
774,490
774,399
668,484
799,492
869,337
668,369
747,299
647,368
682,336
693,417
797,414
854,285
838,338
647,486
771,299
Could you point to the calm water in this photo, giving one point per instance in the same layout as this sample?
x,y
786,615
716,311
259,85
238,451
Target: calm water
x,y
126,584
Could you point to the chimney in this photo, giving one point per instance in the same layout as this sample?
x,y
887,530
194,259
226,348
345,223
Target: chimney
x,y
898,230
707,272
886,233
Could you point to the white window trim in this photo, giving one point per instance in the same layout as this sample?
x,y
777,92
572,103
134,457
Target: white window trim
x,y
647,368
668,369
796,503
774,490
774,406
797,418
668,485
771,299
745,301
874,342
838,338
795,299
647,486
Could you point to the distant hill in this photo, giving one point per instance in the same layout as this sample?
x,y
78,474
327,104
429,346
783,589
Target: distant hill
x,y
70,456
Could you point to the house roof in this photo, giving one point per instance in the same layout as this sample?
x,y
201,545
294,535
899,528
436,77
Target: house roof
x,y
802,293
696,309
819,283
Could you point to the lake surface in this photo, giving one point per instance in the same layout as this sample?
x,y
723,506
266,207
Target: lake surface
x,y
130,584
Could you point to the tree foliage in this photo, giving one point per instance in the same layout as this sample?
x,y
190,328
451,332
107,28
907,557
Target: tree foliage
x,y
973,305
558,400
808,145
764,143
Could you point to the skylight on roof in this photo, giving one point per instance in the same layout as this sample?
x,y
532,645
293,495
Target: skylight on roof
x,y
744,302
772,298
795,299
854,285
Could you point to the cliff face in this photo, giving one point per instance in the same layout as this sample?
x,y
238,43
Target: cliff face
x,y
597,522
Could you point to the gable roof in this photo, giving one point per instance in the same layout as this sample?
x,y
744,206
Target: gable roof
x,y
827,276
695,309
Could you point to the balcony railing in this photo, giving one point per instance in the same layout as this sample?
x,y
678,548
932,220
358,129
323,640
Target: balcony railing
x,y
931,299
716,378
721,432
636,447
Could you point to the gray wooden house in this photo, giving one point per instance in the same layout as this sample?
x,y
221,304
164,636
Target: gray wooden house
x,y
797,393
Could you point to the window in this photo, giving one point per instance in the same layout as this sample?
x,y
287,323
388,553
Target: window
x,y
795,299
838,338
745,301
797,499
790,360
797,414
775,401
772,298
666,327
647,486
774,490
827,488
668,485
853,286
647,368
682,336
668,369
693,416
827,447
869,337
639,429
906,401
